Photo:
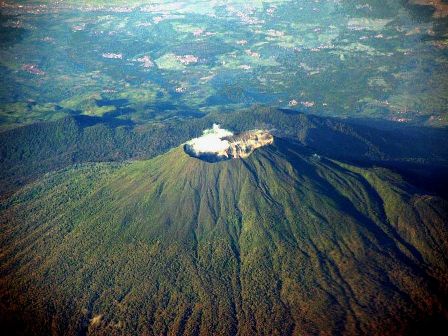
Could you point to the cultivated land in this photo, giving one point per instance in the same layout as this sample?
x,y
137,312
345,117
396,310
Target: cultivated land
x,y
154,61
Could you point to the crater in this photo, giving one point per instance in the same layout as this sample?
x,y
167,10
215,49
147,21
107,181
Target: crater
x,y
218,144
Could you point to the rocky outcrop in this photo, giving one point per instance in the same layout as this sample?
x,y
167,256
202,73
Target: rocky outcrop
x,y
218,144
243,144
440,6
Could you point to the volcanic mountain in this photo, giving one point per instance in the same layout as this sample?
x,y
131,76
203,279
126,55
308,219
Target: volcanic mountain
x,y
218,144
282,242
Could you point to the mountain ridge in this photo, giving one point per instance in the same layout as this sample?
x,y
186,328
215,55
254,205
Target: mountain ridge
x,y
30,151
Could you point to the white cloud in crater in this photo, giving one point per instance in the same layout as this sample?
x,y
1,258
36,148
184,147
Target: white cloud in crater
x,y
211,142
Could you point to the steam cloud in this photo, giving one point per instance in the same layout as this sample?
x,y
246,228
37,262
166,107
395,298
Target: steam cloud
x,y
210,143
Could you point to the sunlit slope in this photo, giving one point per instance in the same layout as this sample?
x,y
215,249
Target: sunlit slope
x,y
283,242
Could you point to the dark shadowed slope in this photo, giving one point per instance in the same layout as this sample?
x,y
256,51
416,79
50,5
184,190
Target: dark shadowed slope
x,y
283,242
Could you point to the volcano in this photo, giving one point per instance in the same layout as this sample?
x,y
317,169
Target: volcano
x,y
218,144
282,242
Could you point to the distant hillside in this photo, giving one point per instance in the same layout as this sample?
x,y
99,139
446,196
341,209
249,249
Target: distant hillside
x,y
283,242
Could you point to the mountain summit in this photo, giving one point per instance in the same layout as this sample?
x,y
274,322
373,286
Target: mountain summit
x,y
218,144
281,242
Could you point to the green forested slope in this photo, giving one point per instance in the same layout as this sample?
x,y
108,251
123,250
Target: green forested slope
x,y
284,242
